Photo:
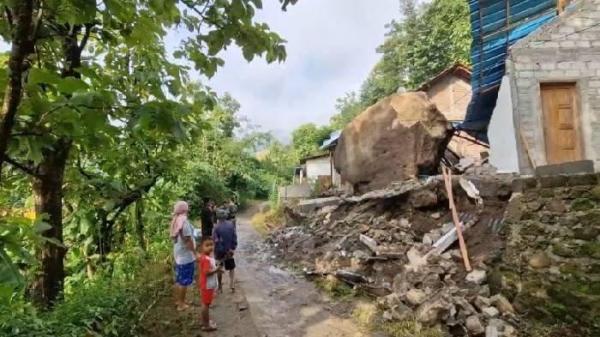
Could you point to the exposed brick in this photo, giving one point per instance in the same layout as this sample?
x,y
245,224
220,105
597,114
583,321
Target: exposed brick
x,y
567,44
583,44
572,73
593,65
547,66
551,44
523,82
570,65
594,84
526,74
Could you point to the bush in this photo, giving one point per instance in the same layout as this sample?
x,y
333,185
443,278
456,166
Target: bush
x,y
102,307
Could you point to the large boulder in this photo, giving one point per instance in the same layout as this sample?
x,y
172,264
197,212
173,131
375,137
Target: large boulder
x,y
398,138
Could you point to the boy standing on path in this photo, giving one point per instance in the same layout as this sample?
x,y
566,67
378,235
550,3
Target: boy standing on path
x,y
225,237
207,280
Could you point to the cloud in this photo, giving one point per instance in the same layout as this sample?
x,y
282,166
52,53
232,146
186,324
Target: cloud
x,y
331,49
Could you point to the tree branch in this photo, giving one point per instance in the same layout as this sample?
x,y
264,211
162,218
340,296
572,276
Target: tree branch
x,y
86,36
27,169
9,17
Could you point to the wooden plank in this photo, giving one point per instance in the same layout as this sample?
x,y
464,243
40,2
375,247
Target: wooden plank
x,y
461,241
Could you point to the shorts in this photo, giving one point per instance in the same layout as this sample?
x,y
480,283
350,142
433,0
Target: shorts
x,y
207,296
229,264
184,274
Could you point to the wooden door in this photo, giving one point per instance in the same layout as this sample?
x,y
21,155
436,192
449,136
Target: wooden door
x,y
561,123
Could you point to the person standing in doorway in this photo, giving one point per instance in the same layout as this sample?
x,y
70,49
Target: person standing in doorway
x,y
207,217
181,232
225,237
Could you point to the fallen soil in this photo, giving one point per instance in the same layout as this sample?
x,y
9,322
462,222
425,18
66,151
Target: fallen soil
x,y
269,302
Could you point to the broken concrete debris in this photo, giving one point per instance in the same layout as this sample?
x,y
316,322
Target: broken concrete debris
x,y
405,254
399,244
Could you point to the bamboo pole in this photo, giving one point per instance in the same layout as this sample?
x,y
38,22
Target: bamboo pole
x,y
461,241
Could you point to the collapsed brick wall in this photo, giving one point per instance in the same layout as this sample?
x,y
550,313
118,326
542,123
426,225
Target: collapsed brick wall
x,y
550,268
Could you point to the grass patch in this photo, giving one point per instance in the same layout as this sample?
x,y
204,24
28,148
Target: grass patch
x,y
335,288
268,220
410,328
365,315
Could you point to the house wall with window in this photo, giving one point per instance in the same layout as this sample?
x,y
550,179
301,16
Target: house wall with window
x,y
555,81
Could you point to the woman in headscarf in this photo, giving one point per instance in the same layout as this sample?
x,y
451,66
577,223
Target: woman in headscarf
x,y
182,234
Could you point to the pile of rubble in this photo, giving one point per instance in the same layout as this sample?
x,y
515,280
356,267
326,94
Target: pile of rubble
x,y
398,244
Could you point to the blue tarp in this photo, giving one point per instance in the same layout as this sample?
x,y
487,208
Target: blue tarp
x,y
495,26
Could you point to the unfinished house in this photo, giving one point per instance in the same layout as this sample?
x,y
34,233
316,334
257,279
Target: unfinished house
x,y
450,91
555,81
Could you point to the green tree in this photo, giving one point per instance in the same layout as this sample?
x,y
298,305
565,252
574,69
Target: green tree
x,y
428,39
100,68
347,108
307,138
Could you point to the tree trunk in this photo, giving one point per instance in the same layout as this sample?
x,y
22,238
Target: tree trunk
x,y
139,223
48,194
22,46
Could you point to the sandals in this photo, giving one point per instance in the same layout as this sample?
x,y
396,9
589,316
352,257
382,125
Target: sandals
x,y
211,327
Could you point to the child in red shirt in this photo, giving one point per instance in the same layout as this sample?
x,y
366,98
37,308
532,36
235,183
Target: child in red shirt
x,y
207,280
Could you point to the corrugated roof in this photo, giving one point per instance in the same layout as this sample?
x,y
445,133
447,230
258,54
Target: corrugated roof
x,y
495,26
332,141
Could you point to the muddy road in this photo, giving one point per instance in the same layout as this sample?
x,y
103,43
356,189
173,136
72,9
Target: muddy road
x,y
281,303
268,302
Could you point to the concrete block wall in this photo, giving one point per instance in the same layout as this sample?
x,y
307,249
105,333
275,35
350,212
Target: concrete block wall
x,y
565,50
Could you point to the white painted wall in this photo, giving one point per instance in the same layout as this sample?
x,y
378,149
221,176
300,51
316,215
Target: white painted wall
x,y
501,132
318,167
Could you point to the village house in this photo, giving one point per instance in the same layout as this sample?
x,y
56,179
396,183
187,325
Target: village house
x,y
319,169
555,78
450,91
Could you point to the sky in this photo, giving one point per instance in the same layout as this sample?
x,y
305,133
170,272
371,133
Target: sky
x,y
331,49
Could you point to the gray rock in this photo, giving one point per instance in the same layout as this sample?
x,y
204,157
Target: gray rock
x,y
477,276
540,260
416,296
474,326
433,311
502,304
490,312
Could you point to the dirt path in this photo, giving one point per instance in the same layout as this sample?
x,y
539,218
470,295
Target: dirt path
x,y
269,302
282,304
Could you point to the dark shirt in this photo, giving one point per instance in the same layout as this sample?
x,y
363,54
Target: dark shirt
x,y
225,237
207,217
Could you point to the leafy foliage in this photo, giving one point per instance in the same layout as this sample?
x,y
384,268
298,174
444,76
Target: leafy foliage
x,y
307,139
430,38
106,130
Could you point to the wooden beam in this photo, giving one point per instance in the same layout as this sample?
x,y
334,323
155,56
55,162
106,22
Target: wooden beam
x,y
461,241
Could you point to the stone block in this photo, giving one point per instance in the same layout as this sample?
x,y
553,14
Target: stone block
x,y
568,44
570,65
553,181
583,44
582,179
574,167
523,184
